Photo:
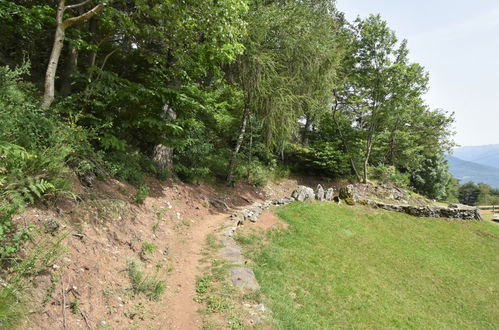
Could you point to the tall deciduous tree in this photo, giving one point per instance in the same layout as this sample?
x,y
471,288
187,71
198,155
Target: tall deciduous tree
x,y
379,85
288,67
60,32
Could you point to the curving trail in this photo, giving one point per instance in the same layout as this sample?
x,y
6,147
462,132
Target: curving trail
x,y
181,311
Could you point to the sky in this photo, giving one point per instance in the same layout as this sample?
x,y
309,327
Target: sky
x,y
457,41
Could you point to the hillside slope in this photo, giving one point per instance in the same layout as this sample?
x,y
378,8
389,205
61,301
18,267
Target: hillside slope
x,y
487,155
340,267
467,171
123,265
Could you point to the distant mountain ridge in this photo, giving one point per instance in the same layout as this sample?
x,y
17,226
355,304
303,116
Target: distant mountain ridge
x,y
467,171
485,155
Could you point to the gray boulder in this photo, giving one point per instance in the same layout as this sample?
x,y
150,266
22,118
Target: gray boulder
x,y
244,278
329,194
303,194
319,193
347,192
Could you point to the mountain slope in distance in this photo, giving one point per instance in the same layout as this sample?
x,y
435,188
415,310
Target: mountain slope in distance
x,y
485,155
467,171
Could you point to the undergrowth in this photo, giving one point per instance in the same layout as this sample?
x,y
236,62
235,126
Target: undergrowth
x,y
16,278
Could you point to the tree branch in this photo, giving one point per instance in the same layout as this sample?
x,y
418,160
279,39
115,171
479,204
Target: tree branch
x,y
89,14
76,5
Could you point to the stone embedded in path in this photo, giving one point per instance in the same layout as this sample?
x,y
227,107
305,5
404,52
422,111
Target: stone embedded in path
x,y
244,278
231,251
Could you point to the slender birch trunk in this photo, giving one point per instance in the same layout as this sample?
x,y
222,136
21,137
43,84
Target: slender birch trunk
x,y
233,160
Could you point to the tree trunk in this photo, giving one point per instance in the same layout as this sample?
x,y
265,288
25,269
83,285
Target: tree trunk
x,y
369,147
48,96
163,155
233,160
306,131
365,174
69,70
345,145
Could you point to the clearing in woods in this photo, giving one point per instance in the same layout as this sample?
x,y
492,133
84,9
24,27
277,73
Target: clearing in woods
x,y
355,267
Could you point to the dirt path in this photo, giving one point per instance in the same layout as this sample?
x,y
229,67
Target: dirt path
x,y
106,231
182,313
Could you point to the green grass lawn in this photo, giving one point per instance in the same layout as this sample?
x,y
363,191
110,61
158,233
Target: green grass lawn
x,y
354,267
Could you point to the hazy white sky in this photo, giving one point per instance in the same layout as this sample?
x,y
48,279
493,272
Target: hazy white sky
x,y
457,41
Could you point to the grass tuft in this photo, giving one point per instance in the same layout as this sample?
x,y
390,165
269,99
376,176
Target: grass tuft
x,y
151,286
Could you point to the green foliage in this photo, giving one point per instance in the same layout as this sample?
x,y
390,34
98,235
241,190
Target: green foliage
x,y
471,193
34,147
74,306
389,174
324,159
142,193
432,178
149,248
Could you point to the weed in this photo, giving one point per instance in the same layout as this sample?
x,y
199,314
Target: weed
x,y
17,280
151,286
54,279
212,242
137,310
148,247
74,306
142,193
203,284
155,227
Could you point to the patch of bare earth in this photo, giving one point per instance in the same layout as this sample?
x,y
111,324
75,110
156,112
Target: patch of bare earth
x,y
105,230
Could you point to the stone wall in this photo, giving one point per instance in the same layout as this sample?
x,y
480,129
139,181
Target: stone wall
x,y
460,212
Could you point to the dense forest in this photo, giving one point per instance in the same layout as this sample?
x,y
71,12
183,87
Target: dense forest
x,y
216,90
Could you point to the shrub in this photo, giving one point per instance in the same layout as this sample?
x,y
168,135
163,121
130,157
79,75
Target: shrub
x,y
389,174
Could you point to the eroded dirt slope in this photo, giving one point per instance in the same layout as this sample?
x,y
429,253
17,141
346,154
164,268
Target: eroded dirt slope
x,y
106,231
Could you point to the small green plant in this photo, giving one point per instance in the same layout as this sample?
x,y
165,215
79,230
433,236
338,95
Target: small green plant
x,y
151,286
155,227
141,194
148,247
74,306
203,284
137,310
54,279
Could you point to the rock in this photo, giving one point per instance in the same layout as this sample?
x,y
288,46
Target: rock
x,y
329,195
453,206
218,204
88,179
231,251
347,192
461,212
319,193
303,194
51,226
337,200
283,201
244,278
